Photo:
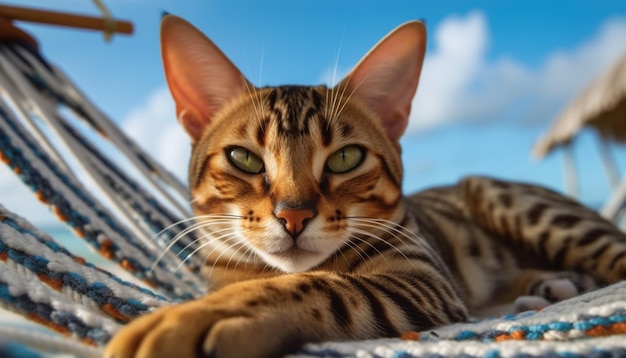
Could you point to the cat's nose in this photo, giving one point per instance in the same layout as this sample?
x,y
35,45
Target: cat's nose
x,y
295,219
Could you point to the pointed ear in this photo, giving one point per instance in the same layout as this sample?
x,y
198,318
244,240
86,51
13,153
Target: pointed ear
x,y
386,78
200,77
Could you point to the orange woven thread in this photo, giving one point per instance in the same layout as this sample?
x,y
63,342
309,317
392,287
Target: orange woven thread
x,y
53,326
79,232
515,335
4,158
616,328
56,284
59,214
3,256
105,249
40,197
128,266
113,312
410,336
149,282
503,337
89,342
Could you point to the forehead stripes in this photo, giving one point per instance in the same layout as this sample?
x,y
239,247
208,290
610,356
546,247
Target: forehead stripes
x,y
292,110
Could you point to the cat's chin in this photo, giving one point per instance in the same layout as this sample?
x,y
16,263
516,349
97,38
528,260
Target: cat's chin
x,y
294,259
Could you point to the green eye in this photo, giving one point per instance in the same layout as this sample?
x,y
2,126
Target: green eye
x,y
345,159
245,160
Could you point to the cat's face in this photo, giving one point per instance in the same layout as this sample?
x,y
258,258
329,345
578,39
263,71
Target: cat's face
x,y
289,174
295,147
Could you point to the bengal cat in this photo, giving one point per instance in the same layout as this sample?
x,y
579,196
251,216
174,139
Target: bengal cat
x,y
307,235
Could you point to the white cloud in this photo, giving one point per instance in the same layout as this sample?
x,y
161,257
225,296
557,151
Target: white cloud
x,y
460,45
154,127
458,83
566,73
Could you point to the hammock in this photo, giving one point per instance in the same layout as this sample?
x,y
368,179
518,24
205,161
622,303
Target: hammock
x,y
85,304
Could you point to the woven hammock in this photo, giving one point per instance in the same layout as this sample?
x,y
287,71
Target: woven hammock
x,y
85,304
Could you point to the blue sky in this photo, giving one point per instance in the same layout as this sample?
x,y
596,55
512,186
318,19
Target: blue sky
x,y
496,74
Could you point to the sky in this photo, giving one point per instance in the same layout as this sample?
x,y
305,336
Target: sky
x,y
496,74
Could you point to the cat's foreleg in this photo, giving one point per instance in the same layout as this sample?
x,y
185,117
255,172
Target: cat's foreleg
x,y
271,317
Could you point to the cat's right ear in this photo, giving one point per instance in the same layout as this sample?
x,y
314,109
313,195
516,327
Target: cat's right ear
x,y
386,79
200,77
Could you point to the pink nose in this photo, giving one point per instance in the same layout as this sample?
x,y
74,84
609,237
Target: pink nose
x,y
295,219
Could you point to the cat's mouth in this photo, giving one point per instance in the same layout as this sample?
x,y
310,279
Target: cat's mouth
x,y
294,259
293,252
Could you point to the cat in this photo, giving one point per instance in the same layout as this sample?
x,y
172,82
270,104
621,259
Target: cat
x,y
308,236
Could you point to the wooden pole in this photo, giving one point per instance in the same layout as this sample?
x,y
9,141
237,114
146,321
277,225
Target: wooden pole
x,y
609,163
65,19
571,178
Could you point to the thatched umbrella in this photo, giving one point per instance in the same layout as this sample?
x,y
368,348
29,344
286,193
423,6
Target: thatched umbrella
x,y
602,107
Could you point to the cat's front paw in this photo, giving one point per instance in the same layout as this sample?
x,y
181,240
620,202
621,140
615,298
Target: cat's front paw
x,y
206,328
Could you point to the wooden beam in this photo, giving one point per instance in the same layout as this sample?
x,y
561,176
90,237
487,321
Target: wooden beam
x,y
65,19
571,177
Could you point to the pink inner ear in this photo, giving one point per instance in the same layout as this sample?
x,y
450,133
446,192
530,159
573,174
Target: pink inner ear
x,y
192,123
387,77
201,78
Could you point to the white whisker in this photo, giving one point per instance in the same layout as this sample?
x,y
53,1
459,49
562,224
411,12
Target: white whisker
x,y
398,231
258,107
369,234
223,238
192,228
248,253
261,64
236,252
355,248
228,238
196,218
392,227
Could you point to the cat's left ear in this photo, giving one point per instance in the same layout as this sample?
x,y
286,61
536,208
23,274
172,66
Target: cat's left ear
x,y
386,78
201,78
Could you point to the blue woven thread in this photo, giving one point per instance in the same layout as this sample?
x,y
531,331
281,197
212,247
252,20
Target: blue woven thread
x,y
536,331
98,292
59,249
493,354
46,313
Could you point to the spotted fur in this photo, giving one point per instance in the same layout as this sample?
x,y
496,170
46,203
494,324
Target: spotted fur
x,y
298,252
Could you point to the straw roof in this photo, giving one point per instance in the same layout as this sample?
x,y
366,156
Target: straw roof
x,y
601,106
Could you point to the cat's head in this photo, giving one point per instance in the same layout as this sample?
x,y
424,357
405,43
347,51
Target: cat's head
x,y
291,174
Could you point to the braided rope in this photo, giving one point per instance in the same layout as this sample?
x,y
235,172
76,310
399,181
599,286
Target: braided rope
x,y
82,212
30,341
74,205
40,257
131,199
593,324
44,282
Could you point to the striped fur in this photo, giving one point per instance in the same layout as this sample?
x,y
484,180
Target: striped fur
x,y
296,252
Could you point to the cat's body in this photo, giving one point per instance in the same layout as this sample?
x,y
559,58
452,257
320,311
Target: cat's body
x,y
308,235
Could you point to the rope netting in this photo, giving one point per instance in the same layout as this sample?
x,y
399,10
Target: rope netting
x,y
39,278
